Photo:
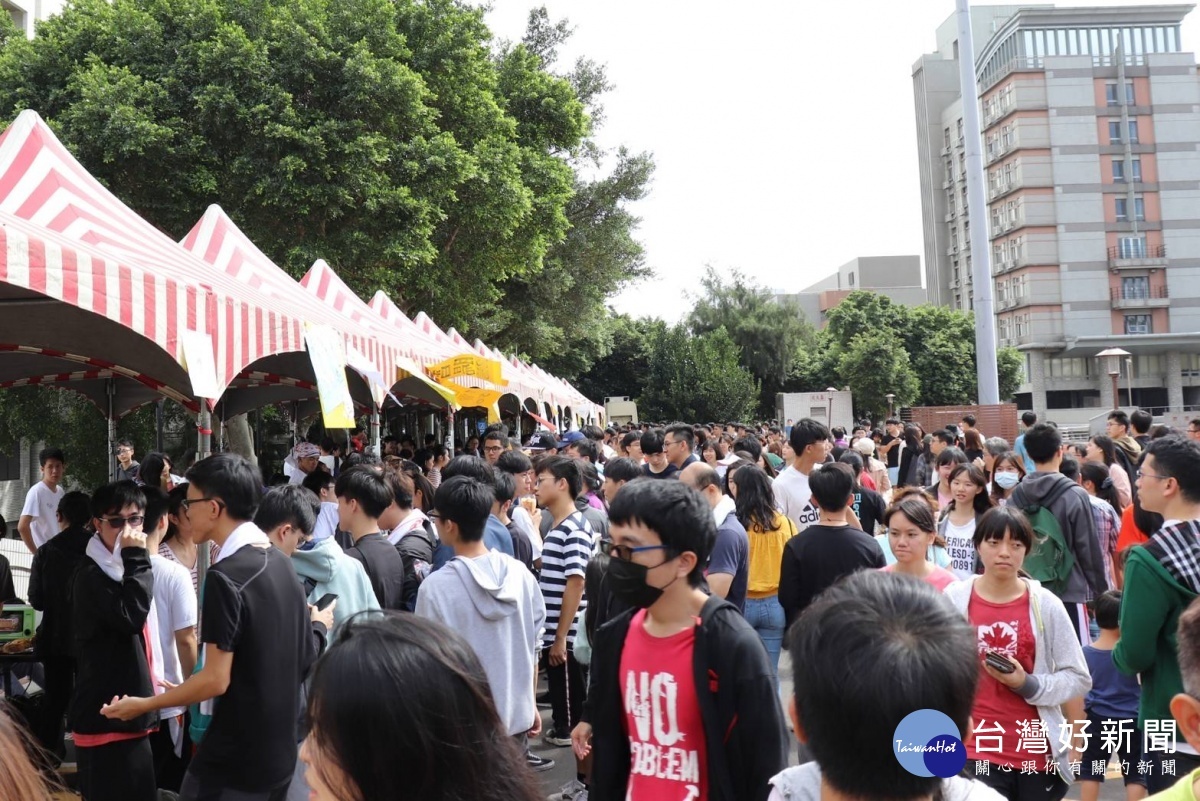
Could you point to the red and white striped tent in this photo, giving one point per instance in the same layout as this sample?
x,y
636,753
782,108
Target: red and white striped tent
x,y
288,377
406,353
112,290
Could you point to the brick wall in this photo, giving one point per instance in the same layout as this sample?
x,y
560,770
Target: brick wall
x,y
993,421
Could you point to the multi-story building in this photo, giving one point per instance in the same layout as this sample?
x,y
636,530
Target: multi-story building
x,y
1091,137
26,13
899,277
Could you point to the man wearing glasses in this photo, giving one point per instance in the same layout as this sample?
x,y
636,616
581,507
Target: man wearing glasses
x,y
679,444
127,468
258,635
1193,429
112,606
1162,577
494,444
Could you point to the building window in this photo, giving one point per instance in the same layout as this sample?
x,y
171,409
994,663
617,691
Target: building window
x,y
851,279
1139,209
1114,132
1118,169
1135,288
960,131
1131,247
946,137
1137,324
1110,94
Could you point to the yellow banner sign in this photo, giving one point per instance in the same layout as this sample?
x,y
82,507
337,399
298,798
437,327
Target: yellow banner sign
x,y
469,365
470,397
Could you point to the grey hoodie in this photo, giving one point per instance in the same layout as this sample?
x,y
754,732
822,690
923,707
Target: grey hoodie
x,y
1073,511
502,622
803,783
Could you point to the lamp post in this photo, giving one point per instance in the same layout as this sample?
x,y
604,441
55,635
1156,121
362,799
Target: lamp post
x,y
1129,377
891,396
1110,360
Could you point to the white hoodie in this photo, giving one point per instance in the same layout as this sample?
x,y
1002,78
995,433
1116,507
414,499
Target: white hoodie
x,y
803,783
502,622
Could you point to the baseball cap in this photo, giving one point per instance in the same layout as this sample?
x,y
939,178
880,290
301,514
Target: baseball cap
x,y
542,441
569,437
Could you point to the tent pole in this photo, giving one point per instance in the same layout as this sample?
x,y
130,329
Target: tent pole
x,y
450,430
112,430
159,415
204,429
375,435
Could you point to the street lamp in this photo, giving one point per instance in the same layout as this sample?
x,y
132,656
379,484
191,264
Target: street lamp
x,y
891,396
1110,360
829,402
1129,377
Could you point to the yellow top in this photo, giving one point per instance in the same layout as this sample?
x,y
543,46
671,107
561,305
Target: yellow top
x,y
766,556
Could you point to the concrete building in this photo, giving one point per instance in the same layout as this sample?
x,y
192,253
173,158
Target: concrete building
x,y
26,13
899,277
1091,129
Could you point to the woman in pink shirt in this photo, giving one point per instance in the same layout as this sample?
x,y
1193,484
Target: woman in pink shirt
x,y
911,531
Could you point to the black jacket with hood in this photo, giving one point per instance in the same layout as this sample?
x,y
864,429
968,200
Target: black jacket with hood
x,y
1073,511
50,581
743,722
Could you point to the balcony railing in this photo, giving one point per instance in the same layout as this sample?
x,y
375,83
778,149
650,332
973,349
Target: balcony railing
x,y
1140,294
1124,253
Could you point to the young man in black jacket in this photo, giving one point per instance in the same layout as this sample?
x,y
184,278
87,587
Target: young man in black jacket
x,y
50,581
682,700
111,601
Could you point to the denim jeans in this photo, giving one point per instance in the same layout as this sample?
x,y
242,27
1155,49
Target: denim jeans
x,y
766,616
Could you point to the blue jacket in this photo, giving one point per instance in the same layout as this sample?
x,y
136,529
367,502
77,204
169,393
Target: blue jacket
x,y
324,567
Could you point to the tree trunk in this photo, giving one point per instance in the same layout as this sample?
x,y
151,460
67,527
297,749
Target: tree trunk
x,y
239,438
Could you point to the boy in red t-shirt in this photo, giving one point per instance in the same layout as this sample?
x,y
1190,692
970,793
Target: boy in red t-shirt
x,y
682,702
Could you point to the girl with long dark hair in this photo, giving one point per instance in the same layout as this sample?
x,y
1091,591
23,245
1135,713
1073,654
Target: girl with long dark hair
x,y
968,503
1007,472
911,534
1102,450
769,531
401,709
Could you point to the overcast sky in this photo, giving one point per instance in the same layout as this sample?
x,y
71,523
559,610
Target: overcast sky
x,y
783,132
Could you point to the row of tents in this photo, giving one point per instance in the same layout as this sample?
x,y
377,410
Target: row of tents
x,y
96,299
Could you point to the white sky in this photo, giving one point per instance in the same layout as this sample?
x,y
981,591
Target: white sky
x,y
783,132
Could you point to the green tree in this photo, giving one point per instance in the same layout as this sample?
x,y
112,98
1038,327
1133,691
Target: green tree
x,y
1010,368
381,135
622,370
771,335
875,363
696,377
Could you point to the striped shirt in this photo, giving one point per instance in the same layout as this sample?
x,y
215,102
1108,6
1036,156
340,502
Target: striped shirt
x,y
565,553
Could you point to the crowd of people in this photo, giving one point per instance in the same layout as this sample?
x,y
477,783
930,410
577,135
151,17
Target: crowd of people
x,y
357,628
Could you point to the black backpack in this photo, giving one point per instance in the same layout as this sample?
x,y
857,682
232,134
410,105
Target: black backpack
x,y
416,551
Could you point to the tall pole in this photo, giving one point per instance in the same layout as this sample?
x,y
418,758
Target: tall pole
x,y
112,428
981,269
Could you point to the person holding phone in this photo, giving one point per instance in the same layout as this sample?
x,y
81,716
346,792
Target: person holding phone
x,y
1031,664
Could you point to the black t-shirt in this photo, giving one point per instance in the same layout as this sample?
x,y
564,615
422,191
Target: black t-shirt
x,y
254,608
384,567
821,555
670,471
869,508
893,456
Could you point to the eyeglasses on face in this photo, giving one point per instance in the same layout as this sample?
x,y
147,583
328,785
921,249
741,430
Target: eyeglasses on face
x,y
118,523
187,503
1143,474
624,552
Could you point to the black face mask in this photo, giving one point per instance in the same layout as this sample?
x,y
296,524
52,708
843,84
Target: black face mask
x,y
627,580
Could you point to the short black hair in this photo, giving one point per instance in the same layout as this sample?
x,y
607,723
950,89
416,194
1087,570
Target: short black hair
x,y
157,504
906,649
1000,519
1029,418
472,466
504,486
402,487
365,484
231,478
46,454
629,438
678,514
317,480
1042,441
496,434
1178,458
1106,608
1069,467
749,444
831,486
563,467
684,432
467,502
112,498
969,419
652,441
291,504
951,456
945,436
853,460
75,508
622,469
125,443
514,462
1119,417
1141,420
892,421
587,449
805,432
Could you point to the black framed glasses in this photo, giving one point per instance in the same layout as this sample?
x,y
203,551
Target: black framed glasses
x,y
624,552
118,523
186,503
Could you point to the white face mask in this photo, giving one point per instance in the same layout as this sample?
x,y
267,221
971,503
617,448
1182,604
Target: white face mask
x,y
1007,479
